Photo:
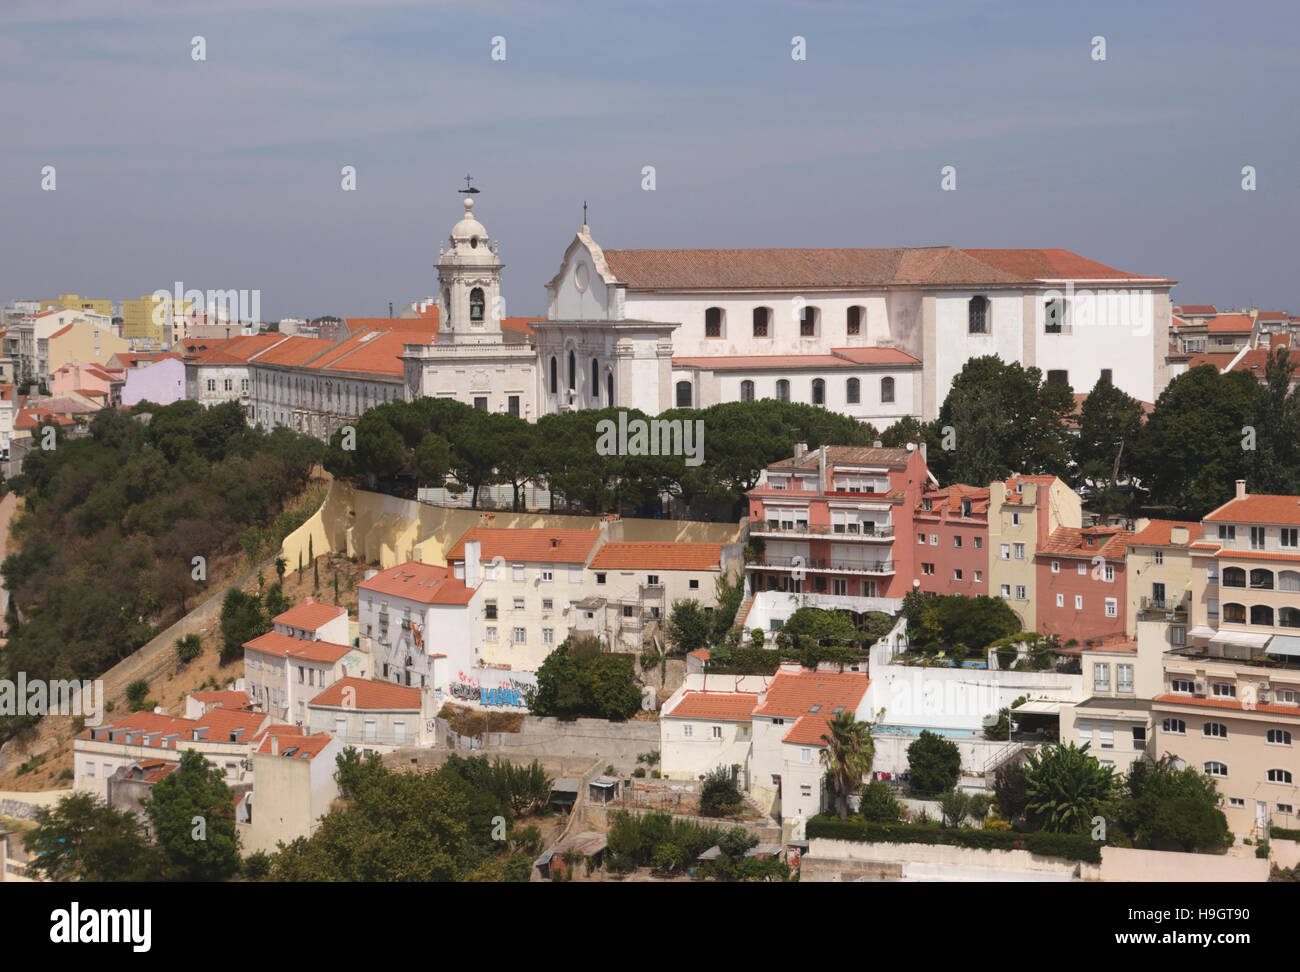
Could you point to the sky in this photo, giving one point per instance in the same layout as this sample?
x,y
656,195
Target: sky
x,y
226,173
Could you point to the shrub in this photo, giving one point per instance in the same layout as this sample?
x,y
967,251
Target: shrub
x,y
1285,833
137,695
955,807
188,648
934,763
879,804
720,796
639,772
256,866
1076,847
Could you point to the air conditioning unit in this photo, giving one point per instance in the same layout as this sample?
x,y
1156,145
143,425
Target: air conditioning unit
x,y
1262,696
1198,688
1264,686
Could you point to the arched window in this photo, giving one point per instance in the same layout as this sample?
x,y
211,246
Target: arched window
x,y
1176,726
555,380
1234,613
1261,614
746,391
1288,580
853,391
609,388
1279,776
854,321
1233,577
683,394
808,318
818,391
476,305
1288,617
446,302
762,321
1261,579
713,322
595,378
886,389
977,315
782,390
1216,769
573,372
1215,730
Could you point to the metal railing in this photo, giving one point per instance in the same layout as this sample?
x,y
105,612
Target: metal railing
x,y
822,530
817,563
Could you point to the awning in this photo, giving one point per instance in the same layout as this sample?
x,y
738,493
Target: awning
x,y
1244,639
1042,706
1201,631
1284,645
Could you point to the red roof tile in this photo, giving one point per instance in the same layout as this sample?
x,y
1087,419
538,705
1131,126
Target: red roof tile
x,y
658,556
295,746
274,643
1110,543
225,699
1230,324
1227,704
310,615
364,693
1259,508
721,706
523,545
795,693
425,583
1158,533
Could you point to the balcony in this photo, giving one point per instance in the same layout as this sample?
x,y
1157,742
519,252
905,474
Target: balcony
x,y
876,568
819,531
652,592
1164,607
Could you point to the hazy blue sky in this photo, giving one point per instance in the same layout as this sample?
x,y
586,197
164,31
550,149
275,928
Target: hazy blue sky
x,y
226,173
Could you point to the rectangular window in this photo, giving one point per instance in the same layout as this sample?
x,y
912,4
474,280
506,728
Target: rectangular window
x,y
1112,607
548,636
805,755
1227,532
1288,537
490,636
1021,594
1056,566
513,405
1020,551
1160,557
519,603
979,576
1060,600
1181,686
956,542
688,731
1083,570
1078,602
717,732
1256,538
517,571
1015,519
1100,678
927,568
520,636
956,575
480,402
600,578
1124,678
1005,590
1005,551
548,575
1110,573
934,539
693,585
920,538
1106,737
979,543
490,610
547,604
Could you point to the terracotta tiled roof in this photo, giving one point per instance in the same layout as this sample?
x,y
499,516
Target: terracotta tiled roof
x,y
274,643
524,545
1230,323
949,499
658,556
1257,555
1273,316
795,693
225,699
720,706
238,350
1110,543
415,581
310,615
1197,310
1226,704
295,351
428,321
845,456
373,352
222,722
1158,533
791,268
295,746
30,418
1258,508
367,694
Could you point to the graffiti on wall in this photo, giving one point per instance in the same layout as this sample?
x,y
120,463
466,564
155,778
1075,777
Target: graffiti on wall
x,y
509,690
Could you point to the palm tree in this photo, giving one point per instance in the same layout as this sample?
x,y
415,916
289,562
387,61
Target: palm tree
x,y
848,754
1067,787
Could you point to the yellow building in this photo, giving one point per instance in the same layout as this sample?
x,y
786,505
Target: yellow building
x,y
82,342
138,319
1023,512
100,305
1159,569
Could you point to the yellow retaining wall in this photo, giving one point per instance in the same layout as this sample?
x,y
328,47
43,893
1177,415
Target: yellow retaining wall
x,y
389,530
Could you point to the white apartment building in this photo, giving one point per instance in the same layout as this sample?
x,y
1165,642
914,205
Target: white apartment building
x,y
374,716
530,581
419,623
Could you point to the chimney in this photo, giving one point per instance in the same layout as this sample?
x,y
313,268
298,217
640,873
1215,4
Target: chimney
x,y
473,563
877,444
275,745
821,469
1241,489
800,448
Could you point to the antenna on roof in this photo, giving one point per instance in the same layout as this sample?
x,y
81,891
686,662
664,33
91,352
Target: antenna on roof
x,y
468,188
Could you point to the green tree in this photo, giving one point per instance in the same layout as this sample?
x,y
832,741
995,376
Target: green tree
x,y
243,618
934,763
1009,789
579,679
1066,787
1171,809
720,796
879,805
81,838
847,754
192,813
1109,424
688,627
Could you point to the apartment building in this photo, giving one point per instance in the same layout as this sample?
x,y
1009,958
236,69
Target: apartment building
x,y
293,786
837,521
630,588
103,306
1082,582
1121,675
1023,513
374,716
1159,568
292,662
421,624
952,528
531,580
221,735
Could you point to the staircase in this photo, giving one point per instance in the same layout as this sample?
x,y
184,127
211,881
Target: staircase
x,y
742,611
1004,755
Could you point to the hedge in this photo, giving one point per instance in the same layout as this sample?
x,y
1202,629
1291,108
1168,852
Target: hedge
x,y
1075,847
1284,833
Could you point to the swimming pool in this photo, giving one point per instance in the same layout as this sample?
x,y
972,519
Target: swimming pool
x,y
885,729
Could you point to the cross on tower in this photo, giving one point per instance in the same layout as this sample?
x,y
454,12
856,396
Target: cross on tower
x,y
468,187
584,212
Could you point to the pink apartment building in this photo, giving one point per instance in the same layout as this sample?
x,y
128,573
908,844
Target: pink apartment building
x,y
1081,589
838,520
952,547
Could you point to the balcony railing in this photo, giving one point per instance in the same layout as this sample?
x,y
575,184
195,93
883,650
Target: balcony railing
x,y
1167,605
817,563
652,592
822,530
